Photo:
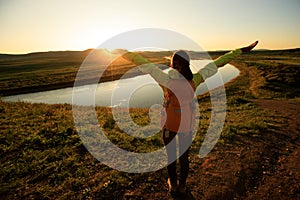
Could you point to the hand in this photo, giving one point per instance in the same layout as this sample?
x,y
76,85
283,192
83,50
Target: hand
x,y
249,48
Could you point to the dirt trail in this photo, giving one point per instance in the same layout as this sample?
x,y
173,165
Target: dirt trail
x,y
266,167
284,182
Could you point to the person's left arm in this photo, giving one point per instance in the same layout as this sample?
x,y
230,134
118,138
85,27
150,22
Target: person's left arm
x,y
212,68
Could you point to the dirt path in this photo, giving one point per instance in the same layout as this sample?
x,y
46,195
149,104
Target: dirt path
x,y
284,182
266,167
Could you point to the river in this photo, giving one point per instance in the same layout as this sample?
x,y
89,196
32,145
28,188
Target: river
x,y
137,92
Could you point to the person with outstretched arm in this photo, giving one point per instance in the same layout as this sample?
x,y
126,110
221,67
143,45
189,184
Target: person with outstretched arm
x,y
179,85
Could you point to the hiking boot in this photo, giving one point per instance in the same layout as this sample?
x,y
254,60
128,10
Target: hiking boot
x,y
182,189
172,187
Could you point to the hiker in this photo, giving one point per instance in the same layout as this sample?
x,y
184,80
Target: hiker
x,y
179,85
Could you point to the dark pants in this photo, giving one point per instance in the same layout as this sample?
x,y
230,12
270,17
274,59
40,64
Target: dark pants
x,y
184,140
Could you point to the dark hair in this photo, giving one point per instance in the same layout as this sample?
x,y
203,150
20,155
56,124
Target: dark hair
x,y
183,59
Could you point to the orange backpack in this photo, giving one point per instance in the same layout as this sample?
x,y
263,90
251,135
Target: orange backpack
x,y
178,114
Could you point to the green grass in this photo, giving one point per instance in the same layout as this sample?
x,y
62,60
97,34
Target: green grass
x,y
42,156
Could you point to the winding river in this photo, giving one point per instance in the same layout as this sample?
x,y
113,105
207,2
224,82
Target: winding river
x,y
137,92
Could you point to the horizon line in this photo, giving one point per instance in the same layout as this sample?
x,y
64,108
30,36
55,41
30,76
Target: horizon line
x,y
90,49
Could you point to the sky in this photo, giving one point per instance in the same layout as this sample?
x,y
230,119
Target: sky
x,y
55,25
